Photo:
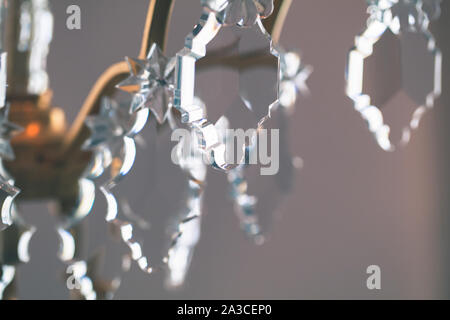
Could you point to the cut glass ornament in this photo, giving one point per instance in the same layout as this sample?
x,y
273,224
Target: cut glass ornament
x,y
171,194
14,250
251,53
395,62
188,228
257,198
246,184
239,12
138,159
294,75
95,262
94,259
151,83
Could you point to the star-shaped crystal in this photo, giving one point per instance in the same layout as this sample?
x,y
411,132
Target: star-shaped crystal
x,y
240,12
294,75
151,83
7,131
106,127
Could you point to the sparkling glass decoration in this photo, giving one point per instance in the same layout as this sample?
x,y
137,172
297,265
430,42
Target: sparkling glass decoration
x,y
7,130
293,77
244,203
252,42
7,189
398,46
112,139
139,154
85,251
151,83
7,194
246,184
95,261
187,233
14,250
240,12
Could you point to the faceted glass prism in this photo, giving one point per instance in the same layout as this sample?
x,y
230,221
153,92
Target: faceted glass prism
x,y
252,69
394,68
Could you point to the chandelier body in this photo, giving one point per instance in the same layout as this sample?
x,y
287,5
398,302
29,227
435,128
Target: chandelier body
x,y
53,161
48,156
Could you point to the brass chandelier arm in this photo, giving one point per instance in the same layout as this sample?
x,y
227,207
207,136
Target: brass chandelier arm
x,y
275,23
157,25
104,86
156,31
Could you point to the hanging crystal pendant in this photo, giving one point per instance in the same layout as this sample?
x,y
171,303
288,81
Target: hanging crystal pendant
x,y
257,198
258,81
395,64
7,130
158,218
187,231
14,250
86,252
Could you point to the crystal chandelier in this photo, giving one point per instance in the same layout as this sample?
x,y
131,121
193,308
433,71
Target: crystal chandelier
x,y
137,106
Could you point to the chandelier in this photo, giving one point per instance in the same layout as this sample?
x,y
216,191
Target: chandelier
x,y
149,110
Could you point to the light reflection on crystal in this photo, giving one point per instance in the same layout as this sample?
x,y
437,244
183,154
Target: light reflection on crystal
x,y
7,274
3,75
94,260
256,197
245,204
409,23
112,143
166,202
